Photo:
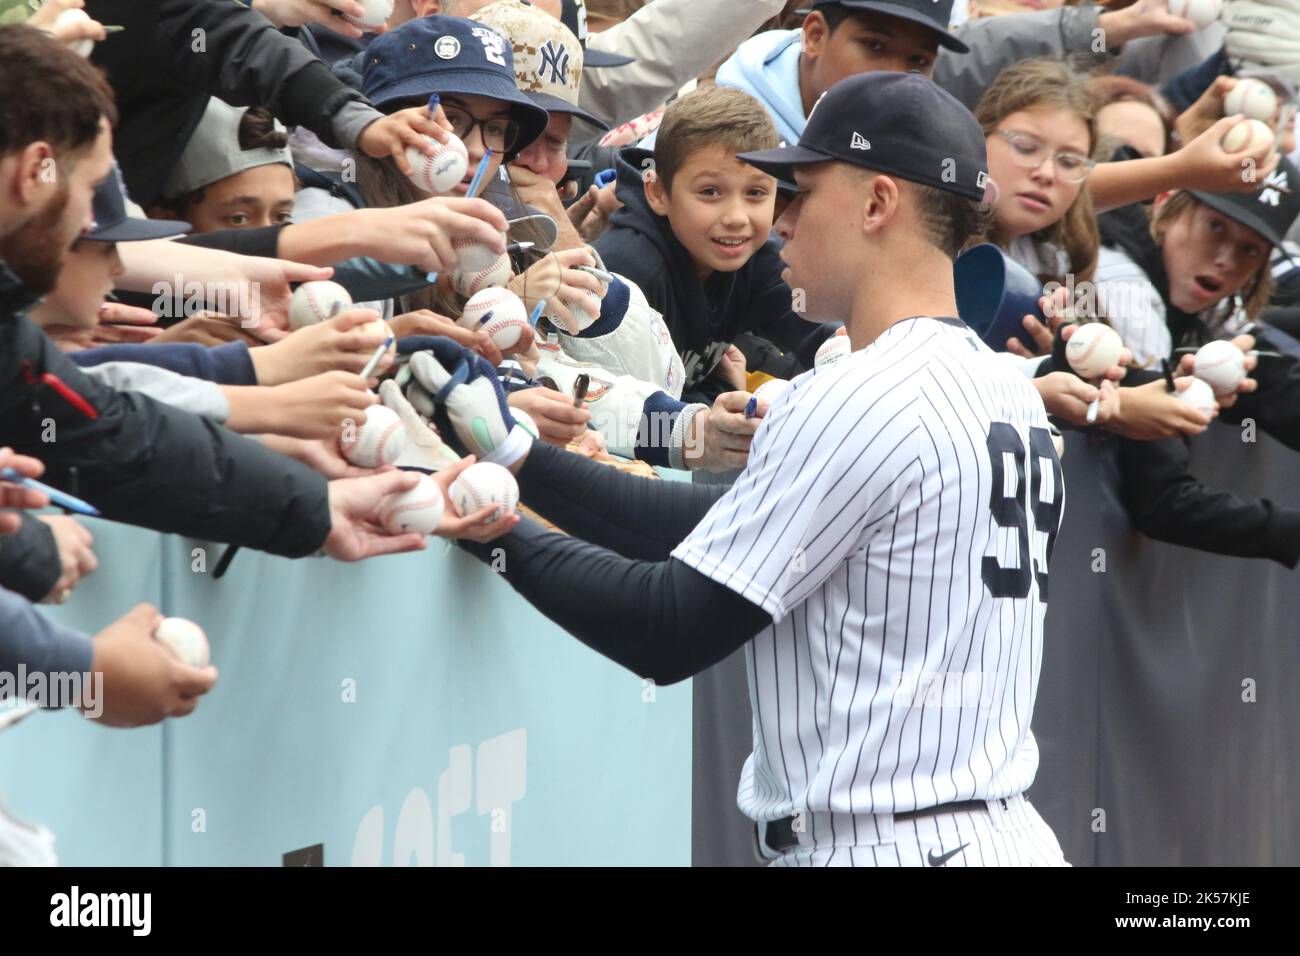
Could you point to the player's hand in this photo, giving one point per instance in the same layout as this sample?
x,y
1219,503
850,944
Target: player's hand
x,y
1205,165
296,13
427,322
16,496
471,527
1149,412
555,279
421,233
143,680
559,421
322,406
389,136
1246,343
470,411
425,448
77,559
721,441
335,344
356,532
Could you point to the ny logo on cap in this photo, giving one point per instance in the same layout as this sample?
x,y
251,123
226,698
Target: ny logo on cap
x,y
1276,184
859,142
981,179
556,59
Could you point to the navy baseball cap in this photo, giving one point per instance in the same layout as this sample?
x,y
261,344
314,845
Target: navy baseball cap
x,y
902,124
935,14
1270,210
448,55
573,14
113,222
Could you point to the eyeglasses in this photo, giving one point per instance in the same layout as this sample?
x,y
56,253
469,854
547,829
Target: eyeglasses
x,y
499,133
1029,152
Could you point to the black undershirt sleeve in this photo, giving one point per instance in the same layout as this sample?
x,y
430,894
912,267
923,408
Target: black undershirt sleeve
x,y
637,517
659,619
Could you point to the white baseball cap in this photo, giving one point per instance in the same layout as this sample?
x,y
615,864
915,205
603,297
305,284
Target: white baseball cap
x,y
547,56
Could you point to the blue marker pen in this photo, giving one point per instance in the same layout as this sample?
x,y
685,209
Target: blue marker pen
x,y
751,407
60,498
605,177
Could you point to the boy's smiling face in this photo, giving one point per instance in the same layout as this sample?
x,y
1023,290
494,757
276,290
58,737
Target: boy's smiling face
x,y
720,209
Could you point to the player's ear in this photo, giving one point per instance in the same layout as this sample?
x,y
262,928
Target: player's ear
x,y
879,202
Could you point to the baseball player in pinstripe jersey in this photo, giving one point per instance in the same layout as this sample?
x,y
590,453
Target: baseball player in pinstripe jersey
x,y
884,555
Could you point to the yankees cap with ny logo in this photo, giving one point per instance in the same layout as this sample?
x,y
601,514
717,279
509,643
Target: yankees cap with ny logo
x,y
1270,210
902,124
548,58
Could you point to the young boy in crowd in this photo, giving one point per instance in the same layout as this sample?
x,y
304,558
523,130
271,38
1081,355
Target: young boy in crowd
x,y
694,235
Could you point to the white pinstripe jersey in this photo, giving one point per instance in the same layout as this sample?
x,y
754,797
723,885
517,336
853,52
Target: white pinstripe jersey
x,y
895,519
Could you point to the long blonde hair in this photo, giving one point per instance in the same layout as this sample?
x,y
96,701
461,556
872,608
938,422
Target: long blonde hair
x,y
1034,84
1254,295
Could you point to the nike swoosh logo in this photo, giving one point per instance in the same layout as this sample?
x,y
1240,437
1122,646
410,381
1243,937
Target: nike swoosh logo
x,y
941,860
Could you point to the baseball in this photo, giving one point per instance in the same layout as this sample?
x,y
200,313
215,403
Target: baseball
x,y
832,350
185,639
376,15
525,421
771,390
79,47
419,509
380,441
440,172
478,268
1199,395
1092,349
483,484
314,302
580,315
498,312
1248,134
1221,366
1200,12
1254,99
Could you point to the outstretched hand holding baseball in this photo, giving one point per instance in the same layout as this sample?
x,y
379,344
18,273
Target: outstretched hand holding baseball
x,y
356,531
470,527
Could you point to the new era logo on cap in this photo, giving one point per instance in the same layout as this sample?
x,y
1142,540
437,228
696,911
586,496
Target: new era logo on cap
x,y
859,141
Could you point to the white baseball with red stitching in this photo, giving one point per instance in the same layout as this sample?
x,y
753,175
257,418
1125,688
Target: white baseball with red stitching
x,y
380,441
506,314
483,484
314,302
478,268
439,173
419,509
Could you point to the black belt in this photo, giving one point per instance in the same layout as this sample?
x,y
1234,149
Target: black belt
x,y
780,836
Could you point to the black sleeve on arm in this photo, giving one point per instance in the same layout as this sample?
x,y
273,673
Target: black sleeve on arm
x,y
1166,502
638,517
662,620
263,241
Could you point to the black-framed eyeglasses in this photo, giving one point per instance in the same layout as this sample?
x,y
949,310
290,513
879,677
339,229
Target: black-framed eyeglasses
x,y
1030,152
499,133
